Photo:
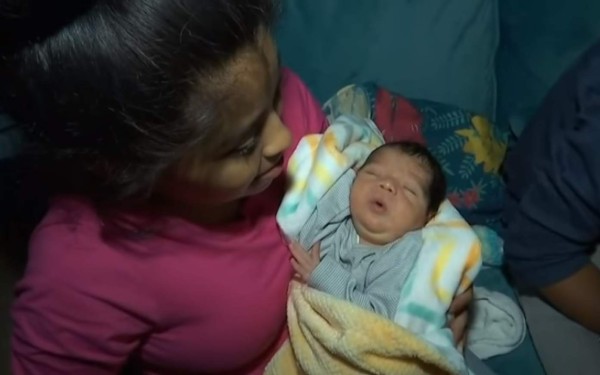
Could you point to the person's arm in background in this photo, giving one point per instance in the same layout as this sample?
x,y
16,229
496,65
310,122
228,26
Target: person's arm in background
x,y
549,239
547,245
578,296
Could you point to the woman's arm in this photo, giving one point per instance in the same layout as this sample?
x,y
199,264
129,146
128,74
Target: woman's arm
x,y
78,309
61,327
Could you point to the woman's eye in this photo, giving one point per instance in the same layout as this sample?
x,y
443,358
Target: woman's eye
x,y
247,148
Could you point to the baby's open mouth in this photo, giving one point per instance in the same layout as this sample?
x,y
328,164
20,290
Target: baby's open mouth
x,y
378,205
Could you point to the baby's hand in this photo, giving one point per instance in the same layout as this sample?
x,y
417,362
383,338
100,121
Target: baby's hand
x,y
303,262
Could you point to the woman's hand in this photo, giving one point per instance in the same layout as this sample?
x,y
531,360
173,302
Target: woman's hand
x,y
459,308
304,262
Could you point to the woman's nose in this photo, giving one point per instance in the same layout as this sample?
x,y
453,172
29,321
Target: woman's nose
x,y
277,137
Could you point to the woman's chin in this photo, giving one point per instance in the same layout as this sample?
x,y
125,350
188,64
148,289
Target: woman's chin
x,y
258,186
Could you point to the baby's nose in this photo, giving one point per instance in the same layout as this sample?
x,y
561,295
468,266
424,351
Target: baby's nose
x,y
388,186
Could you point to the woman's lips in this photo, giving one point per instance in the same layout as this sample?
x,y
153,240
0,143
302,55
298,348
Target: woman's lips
x,y
273,172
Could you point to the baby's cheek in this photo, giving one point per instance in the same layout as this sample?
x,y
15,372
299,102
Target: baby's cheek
x,y
356,192
404,215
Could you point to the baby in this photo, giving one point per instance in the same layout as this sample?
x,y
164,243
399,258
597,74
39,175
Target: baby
x,y
364,247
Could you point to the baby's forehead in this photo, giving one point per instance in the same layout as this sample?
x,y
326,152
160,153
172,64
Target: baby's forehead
x,y
390,156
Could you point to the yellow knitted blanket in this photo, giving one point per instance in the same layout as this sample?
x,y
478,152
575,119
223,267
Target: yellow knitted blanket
x,y
330,336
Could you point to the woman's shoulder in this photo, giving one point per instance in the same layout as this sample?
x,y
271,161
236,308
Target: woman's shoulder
x,y
68,252
66,238
72,239
67,217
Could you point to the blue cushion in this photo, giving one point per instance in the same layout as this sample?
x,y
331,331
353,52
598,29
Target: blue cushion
x,y
540,39
437,50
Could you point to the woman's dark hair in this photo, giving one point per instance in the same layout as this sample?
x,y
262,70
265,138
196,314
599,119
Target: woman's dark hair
x,y
437,187
112,96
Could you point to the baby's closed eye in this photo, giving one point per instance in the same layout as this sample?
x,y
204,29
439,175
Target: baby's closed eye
x,y
410,190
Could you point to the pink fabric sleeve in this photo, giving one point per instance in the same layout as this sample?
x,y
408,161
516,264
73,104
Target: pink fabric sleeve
x,y
63,327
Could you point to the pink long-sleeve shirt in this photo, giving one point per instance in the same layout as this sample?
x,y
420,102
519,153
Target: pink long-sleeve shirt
x,y
188,301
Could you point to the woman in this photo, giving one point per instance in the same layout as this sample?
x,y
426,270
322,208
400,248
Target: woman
x,y
160,125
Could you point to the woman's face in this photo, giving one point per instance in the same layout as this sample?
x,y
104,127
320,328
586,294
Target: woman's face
x,y
245,154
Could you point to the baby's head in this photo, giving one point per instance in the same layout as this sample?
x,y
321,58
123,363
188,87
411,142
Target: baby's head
x,y
398,189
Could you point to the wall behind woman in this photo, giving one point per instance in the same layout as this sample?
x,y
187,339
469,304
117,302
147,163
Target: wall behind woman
x,y
539,40
427,49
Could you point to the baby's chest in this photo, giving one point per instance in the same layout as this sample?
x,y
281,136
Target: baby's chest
x,y
358,260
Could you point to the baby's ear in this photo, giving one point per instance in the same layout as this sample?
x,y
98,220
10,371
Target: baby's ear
x,y
358,166
431,215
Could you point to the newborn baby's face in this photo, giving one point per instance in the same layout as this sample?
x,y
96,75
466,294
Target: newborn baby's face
x,y
389,197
